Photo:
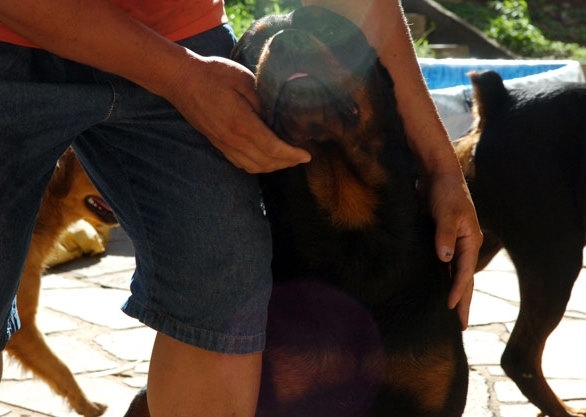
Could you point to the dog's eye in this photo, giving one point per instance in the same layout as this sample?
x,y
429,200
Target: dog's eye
x,y
354,111
349,113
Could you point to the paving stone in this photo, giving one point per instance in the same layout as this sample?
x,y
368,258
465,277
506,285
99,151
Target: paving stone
x,y
137,382
496,371
569,389
507,392
486,309
58,281
142,368
518,410
49,322
117,280
94,305
499,284
478,400
500,262
482,347
101,265
564,352
577,300
130,345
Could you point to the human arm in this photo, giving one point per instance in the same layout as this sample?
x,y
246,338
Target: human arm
x,y
458,236
215,95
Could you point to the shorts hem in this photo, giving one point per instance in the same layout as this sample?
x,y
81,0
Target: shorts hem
x,y
202,338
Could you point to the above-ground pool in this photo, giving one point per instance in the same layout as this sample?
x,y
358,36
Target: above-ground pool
x,y
452,92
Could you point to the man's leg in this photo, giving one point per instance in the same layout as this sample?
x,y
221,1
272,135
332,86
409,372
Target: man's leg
x,y
200,382
202,245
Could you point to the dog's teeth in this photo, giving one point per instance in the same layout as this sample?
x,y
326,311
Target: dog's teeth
x,y
92,202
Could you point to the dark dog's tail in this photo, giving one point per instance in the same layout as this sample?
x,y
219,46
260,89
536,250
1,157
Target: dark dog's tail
x,y
490,94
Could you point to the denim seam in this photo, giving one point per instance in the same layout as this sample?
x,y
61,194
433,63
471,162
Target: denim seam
x,y
115,97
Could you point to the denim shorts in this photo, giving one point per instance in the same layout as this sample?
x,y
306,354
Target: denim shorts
x,y
201,239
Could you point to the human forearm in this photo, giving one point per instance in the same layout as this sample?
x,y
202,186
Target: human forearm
x,y
383,23
99,34
425,131
458,237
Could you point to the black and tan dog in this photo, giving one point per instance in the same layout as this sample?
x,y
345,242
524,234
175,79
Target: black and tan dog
x,y
526,166
69,197
358,320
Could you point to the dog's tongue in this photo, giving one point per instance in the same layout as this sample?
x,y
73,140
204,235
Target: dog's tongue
x,y
297,75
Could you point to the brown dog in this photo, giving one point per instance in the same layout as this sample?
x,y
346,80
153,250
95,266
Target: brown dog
x,y
70,197
358,320
526,166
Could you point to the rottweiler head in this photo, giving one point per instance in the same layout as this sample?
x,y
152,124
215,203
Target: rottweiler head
x,y
324,90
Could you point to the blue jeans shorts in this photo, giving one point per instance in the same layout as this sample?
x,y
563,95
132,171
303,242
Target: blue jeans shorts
x,y
201,239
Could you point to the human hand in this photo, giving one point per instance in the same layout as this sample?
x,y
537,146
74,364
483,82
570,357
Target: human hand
x,y
217,96
458,237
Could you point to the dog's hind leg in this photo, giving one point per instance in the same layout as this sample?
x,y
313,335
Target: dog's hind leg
x,y
546,277
28,345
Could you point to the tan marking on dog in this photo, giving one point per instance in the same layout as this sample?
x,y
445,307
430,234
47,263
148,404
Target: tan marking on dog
x,y
347,185
465,148
296,375
427,378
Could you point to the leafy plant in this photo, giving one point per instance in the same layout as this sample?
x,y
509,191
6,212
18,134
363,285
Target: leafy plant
x,y
509,23
512,28
422,45
559,20
240,14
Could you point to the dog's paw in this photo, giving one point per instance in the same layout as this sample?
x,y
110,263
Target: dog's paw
x,y
93,410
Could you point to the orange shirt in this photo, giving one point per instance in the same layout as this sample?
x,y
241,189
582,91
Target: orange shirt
x,y
174,19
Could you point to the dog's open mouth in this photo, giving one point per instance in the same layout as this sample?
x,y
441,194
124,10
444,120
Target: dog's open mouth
x,y
100,208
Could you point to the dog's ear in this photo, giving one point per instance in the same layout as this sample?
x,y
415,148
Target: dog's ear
x,y
248,49
62,178
490,95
